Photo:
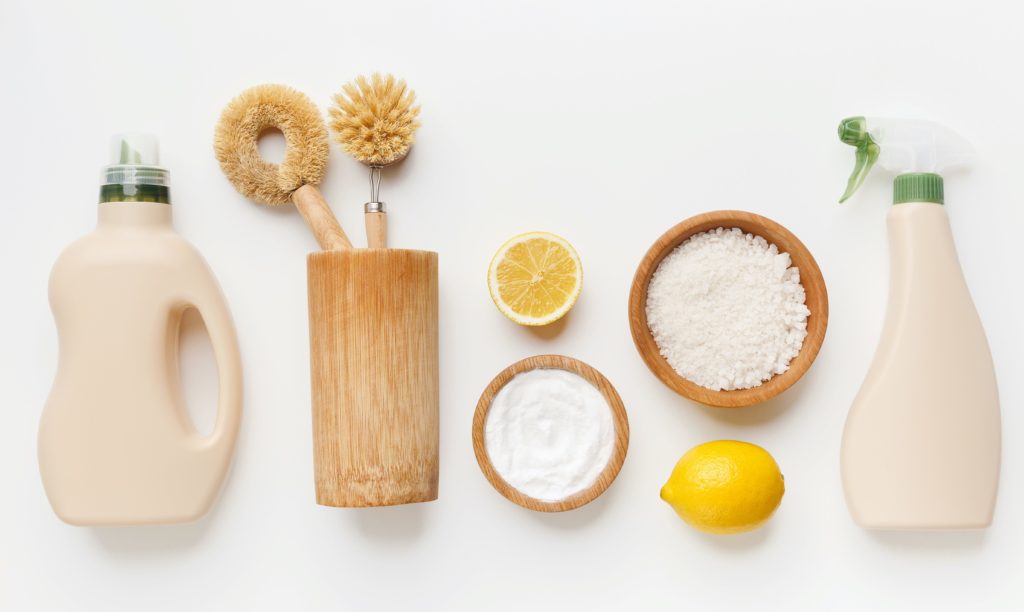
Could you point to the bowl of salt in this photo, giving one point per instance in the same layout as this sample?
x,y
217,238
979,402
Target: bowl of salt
x,y
550,433
728,308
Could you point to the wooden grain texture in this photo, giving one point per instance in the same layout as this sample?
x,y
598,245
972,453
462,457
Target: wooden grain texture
x,y
320,219
810,278
374,370
376,230
604,479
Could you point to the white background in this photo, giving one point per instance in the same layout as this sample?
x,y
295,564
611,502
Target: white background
x,y
606,123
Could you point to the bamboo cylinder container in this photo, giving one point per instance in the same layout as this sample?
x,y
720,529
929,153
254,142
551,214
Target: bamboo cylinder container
x,y
374,370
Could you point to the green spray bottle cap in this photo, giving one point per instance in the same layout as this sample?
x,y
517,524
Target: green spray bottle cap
x,y
916,151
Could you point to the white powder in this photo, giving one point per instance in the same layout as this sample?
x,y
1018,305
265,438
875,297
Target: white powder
x,y
549,433
727,309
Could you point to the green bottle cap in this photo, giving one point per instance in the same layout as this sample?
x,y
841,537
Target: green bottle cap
x,y
917,187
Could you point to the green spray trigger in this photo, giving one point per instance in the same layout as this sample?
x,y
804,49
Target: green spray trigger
x,y
853,131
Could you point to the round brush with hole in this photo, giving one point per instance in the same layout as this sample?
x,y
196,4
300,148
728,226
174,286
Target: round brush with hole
x,y
296,178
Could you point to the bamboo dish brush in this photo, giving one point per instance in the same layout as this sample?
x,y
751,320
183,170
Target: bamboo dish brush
x,y
375,119
295,180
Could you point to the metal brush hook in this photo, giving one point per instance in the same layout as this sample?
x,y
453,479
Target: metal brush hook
x,y
376,224
374,205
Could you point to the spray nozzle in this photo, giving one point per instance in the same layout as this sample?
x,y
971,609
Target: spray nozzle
x,y
905,147
854,132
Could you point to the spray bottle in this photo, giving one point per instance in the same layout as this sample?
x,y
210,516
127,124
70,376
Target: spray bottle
x,y
921,447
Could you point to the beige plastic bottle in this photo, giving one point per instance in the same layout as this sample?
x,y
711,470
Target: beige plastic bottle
x,y
116,444
921,448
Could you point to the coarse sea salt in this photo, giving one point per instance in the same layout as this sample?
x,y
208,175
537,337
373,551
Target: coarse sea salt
x,y
727,309
549,433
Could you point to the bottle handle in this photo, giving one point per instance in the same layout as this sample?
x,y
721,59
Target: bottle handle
x,y
209,302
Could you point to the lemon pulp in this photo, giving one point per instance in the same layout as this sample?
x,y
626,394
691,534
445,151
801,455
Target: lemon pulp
x,y
535,278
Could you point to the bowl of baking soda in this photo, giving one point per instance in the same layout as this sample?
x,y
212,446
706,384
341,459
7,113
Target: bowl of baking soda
x,y
728,309
550,433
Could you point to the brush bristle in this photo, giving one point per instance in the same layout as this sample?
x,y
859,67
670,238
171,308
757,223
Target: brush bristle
x,y
374,119
251,113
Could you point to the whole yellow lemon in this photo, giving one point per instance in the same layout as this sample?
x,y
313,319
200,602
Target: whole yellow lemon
x,y
725,487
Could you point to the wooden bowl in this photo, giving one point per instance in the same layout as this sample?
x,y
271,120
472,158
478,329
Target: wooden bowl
x,y
604,479
810,278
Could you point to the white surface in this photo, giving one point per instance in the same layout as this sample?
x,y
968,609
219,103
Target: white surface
x,y
603,123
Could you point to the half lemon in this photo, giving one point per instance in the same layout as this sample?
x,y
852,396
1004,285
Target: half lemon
x,y
535,278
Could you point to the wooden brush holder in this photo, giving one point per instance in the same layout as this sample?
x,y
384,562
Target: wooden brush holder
x,y
373,358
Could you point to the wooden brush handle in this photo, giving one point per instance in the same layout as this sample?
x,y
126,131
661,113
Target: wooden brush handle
x,y
320,219
377,230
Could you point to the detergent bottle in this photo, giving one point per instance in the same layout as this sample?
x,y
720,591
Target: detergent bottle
x,y
116,444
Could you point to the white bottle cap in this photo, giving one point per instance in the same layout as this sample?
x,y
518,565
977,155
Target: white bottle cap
x,y
135,160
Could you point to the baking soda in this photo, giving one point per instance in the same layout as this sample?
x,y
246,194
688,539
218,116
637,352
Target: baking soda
x,y
549,433
727,309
